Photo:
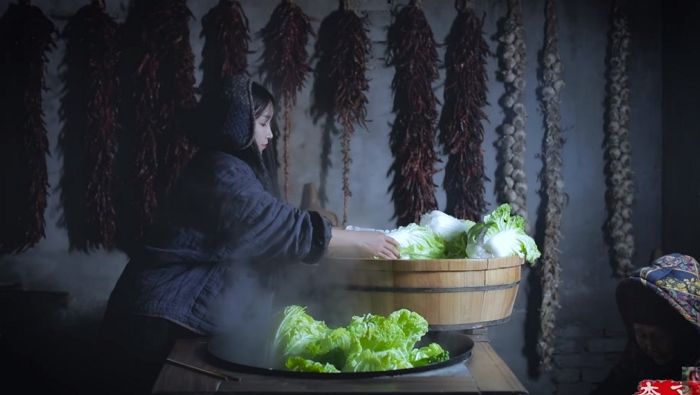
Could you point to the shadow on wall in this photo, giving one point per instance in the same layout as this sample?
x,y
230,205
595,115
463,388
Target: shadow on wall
x,y
532,323
51,304
44,345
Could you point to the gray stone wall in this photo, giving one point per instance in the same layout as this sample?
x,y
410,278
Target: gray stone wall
x,y
584,357
590,333
681,205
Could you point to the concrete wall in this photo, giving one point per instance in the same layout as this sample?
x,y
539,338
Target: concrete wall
x,y
681,185
588,309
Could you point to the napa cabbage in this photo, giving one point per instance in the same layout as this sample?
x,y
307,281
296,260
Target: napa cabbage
x,y
418,242
368,343
453,231
501,234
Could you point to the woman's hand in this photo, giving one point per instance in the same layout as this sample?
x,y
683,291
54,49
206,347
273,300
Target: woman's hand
x,y
362,244
375,244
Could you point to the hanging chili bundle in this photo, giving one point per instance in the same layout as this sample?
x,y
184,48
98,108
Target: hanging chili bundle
x,y
461,130
226,36
552,184
322,95
512,183
620,187
87,140
342,50
412,50
285,63
26,35
226,41
157,86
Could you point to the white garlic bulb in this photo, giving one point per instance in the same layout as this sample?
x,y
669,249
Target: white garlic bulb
x,y
512,184
552,185
620,188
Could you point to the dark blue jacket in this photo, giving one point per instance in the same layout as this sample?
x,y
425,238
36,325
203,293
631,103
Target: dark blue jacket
x,y
219,215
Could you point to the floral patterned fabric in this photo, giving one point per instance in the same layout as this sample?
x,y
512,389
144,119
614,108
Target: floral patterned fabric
x,y
666,294
676,278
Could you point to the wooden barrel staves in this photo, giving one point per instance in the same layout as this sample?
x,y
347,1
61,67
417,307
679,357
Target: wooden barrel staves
x,y
452,294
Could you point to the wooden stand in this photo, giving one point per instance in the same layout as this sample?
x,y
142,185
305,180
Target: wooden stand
x,y
188,371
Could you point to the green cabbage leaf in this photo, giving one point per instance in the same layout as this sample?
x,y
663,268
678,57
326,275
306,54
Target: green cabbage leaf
x,y
418,242
453,231
501,234
368,343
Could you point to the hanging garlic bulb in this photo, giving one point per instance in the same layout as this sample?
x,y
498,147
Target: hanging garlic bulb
x,y
620,186
553,185
512,183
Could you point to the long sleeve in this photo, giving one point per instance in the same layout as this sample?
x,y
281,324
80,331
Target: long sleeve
x,y
220,211
262,226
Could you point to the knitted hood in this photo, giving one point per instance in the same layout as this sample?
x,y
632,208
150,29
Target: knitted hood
x,y
224,118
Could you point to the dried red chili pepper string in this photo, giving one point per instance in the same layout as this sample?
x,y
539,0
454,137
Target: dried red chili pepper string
x,y
26,35
461,131
322,96
342,50
412,50
158,86
285,64
226,43
87,140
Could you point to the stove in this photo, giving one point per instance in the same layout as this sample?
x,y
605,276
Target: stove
x,y
189,369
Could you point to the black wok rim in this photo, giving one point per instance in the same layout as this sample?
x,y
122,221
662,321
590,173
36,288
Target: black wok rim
x,y
241,368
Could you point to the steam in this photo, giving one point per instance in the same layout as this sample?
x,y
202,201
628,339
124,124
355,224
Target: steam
x,y
249,310
75,273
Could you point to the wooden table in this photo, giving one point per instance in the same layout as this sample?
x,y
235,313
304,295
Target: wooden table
x,y
187,371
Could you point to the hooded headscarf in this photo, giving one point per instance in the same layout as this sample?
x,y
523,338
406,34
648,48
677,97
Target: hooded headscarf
x,y
224,120
220,216
665,294
670,281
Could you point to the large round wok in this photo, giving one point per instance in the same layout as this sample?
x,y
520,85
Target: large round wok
x,y
248,355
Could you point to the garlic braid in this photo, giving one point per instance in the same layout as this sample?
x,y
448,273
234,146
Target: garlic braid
x,y
553,185
512,184
618,170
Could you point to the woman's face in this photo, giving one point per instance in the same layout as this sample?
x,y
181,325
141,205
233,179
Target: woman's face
x,y
655,342
263,131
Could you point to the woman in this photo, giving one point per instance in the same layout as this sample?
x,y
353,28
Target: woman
x,y
221,216
660,305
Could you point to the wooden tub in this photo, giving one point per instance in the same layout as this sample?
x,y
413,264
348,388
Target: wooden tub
x,y
452,294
